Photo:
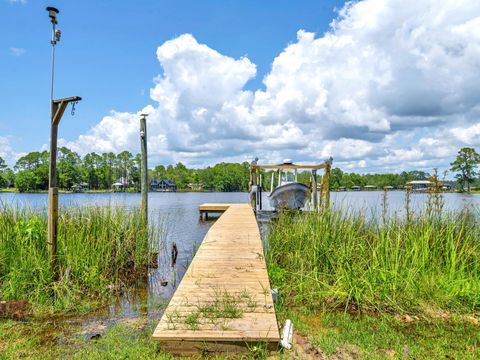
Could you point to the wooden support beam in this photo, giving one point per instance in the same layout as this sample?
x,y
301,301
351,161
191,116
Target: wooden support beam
x,y
288,166
58,108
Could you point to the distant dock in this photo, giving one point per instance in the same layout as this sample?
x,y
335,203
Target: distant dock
x,y
223,303
212,208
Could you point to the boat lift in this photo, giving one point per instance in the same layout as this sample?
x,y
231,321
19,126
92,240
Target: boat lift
x,y
319,203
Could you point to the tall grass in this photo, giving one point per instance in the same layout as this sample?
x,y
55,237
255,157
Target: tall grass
x,y
345,260
95,246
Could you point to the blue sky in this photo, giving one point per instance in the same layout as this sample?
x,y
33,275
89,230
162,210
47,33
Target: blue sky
x,y
107,52
380,85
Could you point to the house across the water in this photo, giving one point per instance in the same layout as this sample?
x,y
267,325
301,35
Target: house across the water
x,y
163,185
195,187
80,187
419,185
118,186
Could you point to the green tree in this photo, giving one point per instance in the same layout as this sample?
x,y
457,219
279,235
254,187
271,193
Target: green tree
x,y
36,166
107,170
91,169
26,180
125,163
135,175
9,177
158,173
3,165
336,178
466,164
68,168
3,179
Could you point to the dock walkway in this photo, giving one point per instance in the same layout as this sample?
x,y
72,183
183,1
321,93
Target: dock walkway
x,y
224,302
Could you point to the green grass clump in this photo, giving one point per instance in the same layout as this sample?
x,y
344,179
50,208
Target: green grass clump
x,y
36,341
340,335
95,247
224,305
336,260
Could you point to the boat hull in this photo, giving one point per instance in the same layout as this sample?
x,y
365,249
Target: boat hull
x,y
289,196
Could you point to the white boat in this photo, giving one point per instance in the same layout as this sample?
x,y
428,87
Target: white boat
x,y
289,193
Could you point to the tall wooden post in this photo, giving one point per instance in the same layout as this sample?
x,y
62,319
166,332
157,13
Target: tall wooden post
x,y
58,108
253,183
144,167
53,198
326,183
314,190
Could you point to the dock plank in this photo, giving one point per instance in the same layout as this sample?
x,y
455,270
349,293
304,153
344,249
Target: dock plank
x,y
228,270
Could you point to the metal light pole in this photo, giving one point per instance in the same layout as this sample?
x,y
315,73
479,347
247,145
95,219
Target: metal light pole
x,y
144,167
57,108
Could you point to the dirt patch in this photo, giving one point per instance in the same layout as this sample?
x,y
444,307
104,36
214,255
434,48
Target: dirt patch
x,y
304,349
15,309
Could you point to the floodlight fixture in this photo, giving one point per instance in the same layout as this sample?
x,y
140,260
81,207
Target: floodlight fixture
x,y
52,13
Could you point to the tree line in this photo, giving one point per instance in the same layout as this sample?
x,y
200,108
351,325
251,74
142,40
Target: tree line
x,y
339,179
100,171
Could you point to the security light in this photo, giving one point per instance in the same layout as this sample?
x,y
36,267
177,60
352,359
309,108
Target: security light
x,y
52,13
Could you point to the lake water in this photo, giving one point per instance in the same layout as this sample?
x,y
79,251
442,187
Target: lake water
x,y
179,217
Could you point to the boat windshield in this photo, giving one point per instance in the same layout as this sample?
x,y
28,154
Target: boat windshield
x,y
288,177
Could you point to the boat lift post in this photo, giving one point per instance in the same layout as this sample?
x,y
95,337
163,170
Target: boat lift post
x,y
253,184
314,190
325,187
260,190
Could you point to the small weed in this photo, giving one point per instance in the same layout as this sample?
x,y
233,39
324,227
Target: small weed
x,y
172,318
193,321
249,300
258,351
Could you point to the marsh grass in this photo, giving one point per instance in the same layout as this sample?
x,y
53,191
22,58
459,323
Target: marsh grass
x,y
97,248
344,260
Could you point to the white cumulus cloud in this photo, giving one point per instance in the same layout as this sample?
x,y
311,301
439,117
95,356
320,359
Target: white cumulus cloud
x,y
15,51
7,153
392,85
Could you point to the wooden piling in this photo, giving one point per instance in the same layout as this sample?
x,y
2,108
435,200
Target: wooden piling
x,y
314,190
144,168
326,186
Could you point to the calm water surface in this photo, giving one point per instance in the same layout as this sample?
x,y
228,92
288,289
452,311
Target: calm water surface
x,y
177,215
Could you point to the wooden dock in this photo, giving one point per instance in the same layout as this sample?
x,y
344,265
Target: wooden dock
x,y
206,209
223,303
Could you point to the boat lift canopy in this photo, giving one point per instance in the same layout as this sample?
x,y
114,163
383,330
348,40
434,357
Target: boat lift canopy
x,y
256,182
291,166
